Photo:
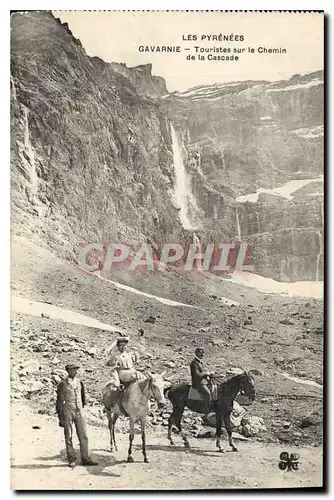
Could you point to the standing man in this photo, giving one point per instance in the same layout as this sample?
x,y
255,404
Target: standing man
x,y
69,407
199,378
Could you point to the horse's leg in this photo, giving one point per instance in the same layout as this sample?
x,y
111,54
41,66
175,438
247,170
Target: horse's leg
x,y
110,428
228,426
219,431
113,422
170,424
183,435
131,436
173,419
143,437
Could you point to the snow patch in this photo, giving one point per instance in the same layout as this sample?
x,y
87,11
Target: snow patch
x,y
34,308
311,289
306,85
167,302
302,381
284,191
308,133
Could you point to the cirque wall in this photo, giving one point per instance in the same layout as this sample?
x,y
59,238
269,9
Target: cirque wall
x,y
102,152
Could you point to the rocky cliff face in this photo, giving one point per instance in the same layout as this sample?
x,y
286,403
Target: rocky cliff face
x,y
94,156
242,137
142,79
91,159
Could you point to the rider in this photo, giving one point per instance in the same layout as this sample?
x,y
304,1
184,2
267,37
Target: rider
x,y
123,362
199,377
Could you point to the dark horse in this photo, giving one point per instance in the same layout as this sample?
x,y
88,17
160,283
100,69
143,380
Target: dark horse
x,y
222,407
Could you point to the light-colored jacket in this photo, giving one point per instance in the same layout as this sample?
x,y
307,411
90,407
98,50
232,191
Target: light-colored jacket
x,y
123,364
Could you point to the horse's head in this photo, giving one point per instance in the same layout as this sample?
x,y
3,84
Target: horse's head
x,y
248,385
157,386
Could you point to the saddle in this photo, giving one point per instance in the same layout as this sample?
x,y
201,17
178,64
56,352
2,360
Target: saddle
x,y
195,395
115,396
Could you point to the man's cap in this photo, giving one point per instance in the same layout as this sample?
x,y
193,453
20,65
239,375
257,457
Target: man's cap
x,y
198,349
123,339
71,366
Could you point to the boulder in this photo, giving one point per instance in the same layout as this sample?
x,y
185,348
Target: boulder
x,y
286,322
150,319
91,351
238,436
205,434
234,371
170,364
235,417
30,366
34,386
252,425
314,418
255,371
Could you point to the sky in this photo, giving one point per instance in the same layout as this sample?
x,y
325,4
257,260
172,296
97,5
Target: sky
x,y
116,36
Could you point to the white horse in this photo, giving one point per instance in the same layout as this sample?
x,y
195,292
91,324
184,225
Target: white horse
x,y
135,404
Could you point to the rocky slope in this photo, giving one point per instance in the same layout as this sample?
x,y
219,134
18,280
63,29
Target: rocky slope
x,y
93,155
269,334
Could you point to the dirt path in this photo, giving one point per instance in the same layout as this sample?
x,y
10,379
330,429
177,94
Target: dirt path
x,y
38,462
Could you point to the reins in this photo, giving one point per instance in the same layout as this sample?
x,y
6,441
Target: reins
x,y
220,380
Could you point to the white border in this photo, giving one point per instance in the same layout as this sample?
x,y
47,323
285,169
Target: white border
x,y
4,184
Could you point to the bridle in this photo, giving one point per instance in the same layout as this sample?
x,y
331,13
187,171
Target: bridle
x,y
148,388
246,380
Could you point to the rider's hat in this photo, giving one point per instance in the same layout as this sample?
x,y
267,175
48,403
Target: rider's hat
x,y
71,366
199,349
122,340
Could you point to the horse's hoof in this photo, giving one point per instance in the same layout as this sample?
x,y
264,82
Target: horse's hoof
x,y
146,460
171,442
187,446
221,450
235,449
130,460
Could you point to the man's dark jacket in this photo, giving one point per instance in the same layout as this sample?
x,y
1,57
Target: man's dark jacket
x,y
198,374
60,399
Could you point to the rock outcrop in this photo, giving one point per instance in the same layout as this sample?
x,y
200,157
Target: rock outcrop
x,y
142,79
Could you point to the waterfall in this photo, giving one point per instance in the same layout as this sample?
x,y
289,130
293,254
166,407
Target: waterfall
x,y
197,243
199,160
321,246
13,87
183,196
29,162
238,223
196,240
258,222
